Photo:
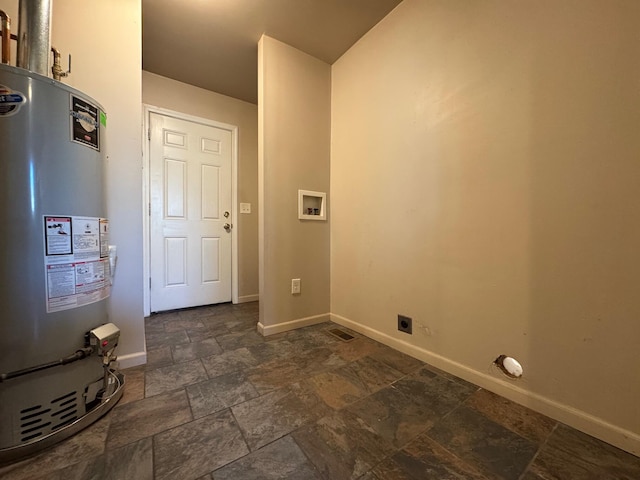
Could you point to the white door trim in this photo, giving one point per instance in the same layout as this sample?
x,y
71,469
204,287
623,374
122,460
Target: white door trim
x,y
147,111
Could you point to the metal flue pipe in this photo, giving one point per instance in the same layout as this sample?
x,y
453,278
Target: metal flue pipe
x,y
34,35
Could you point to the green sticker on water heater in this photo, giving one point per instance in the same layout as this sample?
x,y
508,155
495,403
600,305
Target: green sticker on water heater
x,y
103,118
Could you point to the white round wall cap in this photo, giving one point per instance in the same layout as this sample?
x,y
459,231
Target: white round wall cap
x,y
509,366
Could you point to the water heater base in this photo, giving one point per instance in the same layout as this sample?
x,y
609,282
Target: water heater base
x,y
11,454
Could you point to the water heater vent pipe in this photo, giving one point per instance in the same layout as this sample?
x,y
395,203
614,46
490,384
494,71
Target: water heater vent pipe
x,y
34,35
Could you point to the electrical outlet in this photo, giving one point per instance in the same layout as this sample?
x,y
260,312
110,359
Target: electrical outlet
x,y
295,286
405,324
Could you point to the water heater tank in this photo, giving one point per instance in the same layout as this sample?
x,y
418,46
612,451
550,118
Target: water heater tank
x,y
54,259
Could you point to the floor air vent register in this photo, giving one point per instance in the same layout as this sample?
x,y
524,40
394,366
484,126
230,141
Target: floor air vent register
x,y
341,334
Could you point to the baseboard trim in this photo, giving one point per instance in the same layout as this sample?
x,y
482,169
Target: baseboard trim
x,y
267,330
248,298
585,422
132,359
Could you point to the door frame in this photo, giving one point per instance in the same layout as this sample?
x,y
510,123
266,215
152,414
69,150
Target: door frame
x,y
146,195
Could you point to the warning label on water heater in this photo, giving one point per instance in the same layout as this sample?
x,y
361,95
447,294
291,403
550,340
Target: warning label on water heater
x,y
76,261
85,126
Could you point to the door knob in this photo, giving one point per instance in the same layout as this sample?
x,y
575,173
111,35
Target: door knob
x,y
227,227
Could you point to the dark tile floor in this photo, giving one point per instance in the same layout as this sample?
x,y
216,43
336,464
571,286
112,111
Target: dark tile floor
x,y
217,401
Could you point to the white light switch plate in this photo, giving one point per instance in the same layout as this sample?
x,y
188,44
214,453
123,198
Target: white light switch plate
x,y
245,208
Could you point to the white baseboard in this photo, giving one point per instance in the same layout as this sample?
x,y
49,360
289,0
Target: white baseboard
x,y
248,298
132,359
595,426
267,330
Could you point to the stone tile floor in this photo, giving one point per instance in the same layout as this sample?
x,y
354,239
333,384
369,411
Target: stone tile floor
x,y
217,401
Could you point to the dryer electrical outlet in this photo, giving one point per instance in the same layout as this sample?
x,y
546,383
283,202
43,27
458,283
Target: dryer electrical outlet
x,y
405,324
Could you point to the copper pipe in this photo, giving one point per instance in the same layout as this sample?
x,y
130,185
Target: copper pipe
x,y
56,70
6,37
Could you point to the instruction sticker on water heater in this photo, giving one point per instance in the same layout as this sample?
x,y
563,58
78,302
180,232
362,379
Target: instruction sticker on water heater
x,y
76,261
85,123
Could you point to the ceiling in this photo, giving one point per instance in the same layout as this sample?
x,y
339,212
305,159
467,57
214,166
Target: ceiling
x,y
213,44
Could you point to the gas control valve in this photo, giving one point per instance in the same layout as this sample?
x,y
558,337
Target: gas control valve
x,y
104,338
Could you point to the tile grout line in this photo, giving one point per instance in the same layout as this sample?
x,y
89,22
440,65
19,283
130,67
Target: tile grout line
x,y
309,460
233,415
472,467
540,447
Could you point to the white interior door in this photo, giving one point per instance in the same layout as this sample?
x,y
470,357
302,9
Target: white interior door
x,y
190,193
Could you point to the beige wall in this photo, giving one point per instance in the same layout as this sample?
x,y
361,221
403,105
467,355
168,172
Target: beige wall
x,y
484,181
294,98
180,97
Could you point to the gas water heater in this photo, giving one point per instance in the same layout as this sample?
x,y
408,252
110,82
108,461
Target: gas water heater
x,y
56,343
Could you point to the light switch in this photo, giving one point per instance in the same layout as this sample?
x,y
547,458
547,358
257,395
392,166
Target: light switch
x,y
245,208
